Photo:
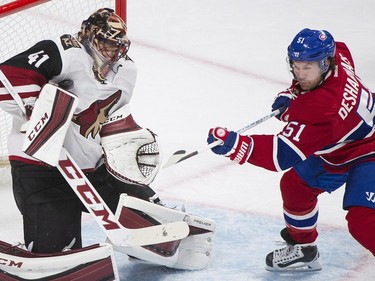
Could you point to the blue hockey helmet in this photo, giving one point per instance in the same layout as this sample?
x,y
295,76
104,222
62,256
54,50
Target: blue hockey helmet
x,y
312,45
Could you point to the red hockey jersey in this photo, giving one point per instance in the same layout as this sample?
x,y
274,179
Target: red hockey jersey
x,y
334,121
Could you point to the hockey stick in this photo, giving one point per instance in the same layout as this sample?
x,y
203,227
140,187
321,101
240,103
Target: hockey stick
x,y
182,155
4,80
41,143
116,232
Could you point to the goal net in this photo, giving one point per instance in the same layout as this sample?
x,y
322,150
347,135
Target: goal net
x,y
25,22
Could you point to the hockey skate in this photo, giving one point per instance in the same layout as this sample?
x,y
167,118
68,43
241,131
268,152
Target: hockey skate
x,y
294,257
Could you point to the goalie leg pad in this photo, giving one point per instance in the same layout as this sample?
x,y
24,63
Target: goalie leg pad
x,y
191,253
94,263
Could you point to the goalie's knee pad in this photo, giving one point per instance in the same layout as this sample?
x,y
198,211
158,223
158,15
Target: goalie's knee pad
x,y
191,253
131,152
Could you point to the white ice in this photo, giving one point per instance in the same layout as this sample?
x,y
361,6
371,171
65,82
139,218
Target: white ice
x,y
220,63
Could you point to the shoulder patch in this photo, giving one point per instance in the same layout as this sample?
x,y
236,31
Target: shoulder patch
x,y
68,41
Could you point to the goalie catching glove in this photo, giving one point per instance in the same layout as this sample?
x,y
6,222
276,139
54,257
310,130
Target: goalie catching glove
x,y
131,152
235,146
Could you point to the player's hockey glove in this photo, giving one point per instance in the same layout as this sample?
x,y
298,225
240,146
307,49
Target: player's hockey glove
x,y
283,100
235,146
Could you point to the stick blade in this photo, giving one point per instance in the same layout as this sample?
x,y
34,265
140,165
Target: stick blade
x,y
158,233
178,157
175,158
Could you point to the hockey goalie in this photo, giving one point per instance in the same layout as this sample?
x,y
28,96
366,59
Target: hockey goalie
x,y
58,165
132,158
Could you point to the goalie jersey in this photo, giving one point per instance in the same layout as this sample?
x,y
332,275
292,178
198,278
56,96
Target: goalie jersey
x,y
53,61
334,121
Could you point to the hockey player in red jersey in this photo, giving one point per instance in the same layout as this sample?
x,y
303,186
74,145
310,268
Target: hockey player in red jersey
x,y
116,154
328,141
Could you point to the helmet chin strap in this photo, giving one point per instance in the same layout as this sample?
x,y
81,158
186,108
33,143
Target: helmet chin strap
x,y
329,65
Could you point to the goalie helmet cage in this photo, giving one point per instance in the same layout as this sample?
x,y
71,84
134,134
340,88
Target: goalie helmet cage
x,y
25,22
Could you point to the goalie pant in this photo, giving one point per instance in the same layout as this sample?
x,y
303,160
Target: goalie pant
x,y
51,210
92,263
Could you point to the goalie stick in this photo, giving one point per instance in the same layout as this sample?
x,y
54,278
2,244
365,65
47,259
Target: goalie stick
x,y
182,155
12,92
42,144
116,232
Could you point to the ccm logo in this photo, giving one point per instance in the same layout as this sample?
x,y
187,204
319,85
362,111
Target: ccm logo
x,y
86,192
10,263
38,126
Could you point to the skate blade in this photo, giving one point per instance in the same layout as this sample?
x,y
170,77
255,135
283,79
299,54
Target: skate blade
x,y
298,267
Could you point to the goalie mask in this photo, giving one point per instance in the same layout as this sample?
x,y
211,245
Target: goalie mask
x,y
103,35
131,152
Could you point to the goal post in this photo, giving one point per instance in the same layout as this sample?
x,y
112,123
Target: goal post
x,y
121,9
25,22
18,5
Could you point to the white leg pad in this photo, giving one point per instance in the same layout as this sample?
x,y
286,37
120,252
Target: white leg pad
x,y
94,263
191,253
